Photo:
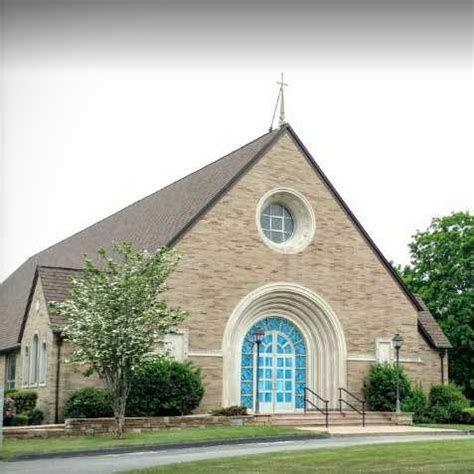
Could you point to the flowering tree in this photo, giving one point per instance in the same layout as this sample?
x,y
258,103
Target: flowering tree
x,y
115,316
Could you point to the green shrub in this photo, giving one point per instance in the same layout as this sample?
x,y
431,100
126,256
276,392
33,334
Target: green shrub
x,y
163,387
380,387
446,404
19,420
468,416
35,417
88,402
235,410
25,400
9,411
416,402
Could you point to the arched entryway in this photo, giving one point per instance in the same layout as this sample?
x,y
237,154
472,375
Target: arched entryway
x,y
289,307
276,376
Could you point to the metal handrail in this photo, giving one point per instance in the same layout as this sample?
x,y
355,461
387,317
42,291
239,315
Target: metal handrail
x,y
326,402
341,389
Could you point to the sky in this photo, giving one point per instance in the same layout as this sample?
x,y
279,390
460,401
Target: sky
x,y
105,102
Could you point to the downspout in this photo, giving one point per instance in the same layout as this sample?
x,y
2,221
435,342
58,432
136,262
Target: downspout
x,y
441,356
59,343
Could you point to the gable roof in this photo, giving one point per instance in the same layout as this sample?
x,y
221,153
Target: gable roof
x,y
161,218
430,328
156,220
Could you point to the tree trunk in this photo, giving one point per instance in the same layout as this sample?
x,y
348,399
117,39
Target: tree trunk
x,y
118,391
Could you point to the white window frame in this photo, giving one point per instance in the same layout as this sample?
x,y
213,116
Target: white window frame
x,y
34,362
10,383
26,367
43,369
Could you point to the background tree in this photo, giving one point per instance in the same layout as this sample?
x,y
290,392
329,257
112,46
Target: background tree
x,y
115,316
442,273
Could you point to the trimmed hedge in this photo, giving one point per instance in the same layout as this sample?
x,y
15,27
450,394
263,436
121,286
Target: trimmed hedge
x,y
416,402
380,387
468,416
25,400
88,402
234,410
165,387
446,404
19,408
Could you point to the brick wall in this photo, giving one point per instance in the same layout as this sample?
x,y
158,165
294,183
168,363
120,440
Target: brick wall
x,y
224,259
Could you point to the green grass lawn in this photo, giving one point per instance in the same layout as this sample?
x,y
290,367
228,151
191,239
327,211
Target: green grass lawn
x,y
12,447
449,426
416,457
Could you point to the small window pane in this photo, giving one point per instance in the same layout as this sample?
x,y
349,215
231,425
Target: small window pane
x,y
277,223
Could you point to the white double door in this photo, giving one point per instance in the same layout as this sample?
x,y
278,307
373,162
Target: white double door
x,y
276,374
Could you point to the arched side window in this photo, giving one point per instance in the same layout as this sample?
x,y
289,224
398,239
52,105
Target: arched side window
x,y
44,363
26,367
34,372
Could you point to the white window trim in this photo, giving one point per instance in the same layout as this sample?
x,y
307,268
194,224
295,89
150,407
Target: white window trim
x,y
378,344
302,213
43,366
26,367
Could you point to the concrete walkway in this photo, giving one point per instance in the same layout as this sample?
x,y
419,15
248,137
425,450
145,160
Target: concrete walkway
x,y
122,462
380,430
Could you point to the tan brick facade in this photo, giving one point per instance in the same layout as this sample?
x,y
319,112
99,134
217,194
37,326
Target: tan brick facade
x,y
224,259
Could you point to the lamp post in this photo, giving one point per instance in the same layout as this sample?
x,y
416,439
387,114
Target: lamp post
x,y
397,344
257,339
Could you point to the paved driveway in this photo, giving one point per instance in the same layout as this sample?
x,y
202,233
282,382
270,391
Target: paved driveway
x,y
122,462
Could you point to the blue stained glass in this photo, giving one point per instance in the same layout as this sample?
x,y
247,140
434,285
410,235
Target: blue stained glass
x,y
260,385
247,401
261,397
247,347
273,324
260,373
300,349
285,371
247,374
280,385
301,362
260,361
295,337
268,385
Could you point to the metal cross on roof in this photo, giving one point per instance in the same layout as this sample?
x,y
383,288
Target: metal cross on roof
x,y
281,100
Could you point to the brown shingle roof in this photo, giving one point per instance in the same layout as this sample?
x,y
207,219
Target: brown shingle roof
x,y
56,284
430,327
158,219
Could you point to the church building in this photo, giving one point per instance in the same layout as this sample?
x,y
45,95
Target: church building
x,y
272,257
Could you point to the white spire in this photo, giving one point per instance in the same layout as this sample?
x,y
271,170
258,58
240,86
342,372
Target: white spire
x,y
281,101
